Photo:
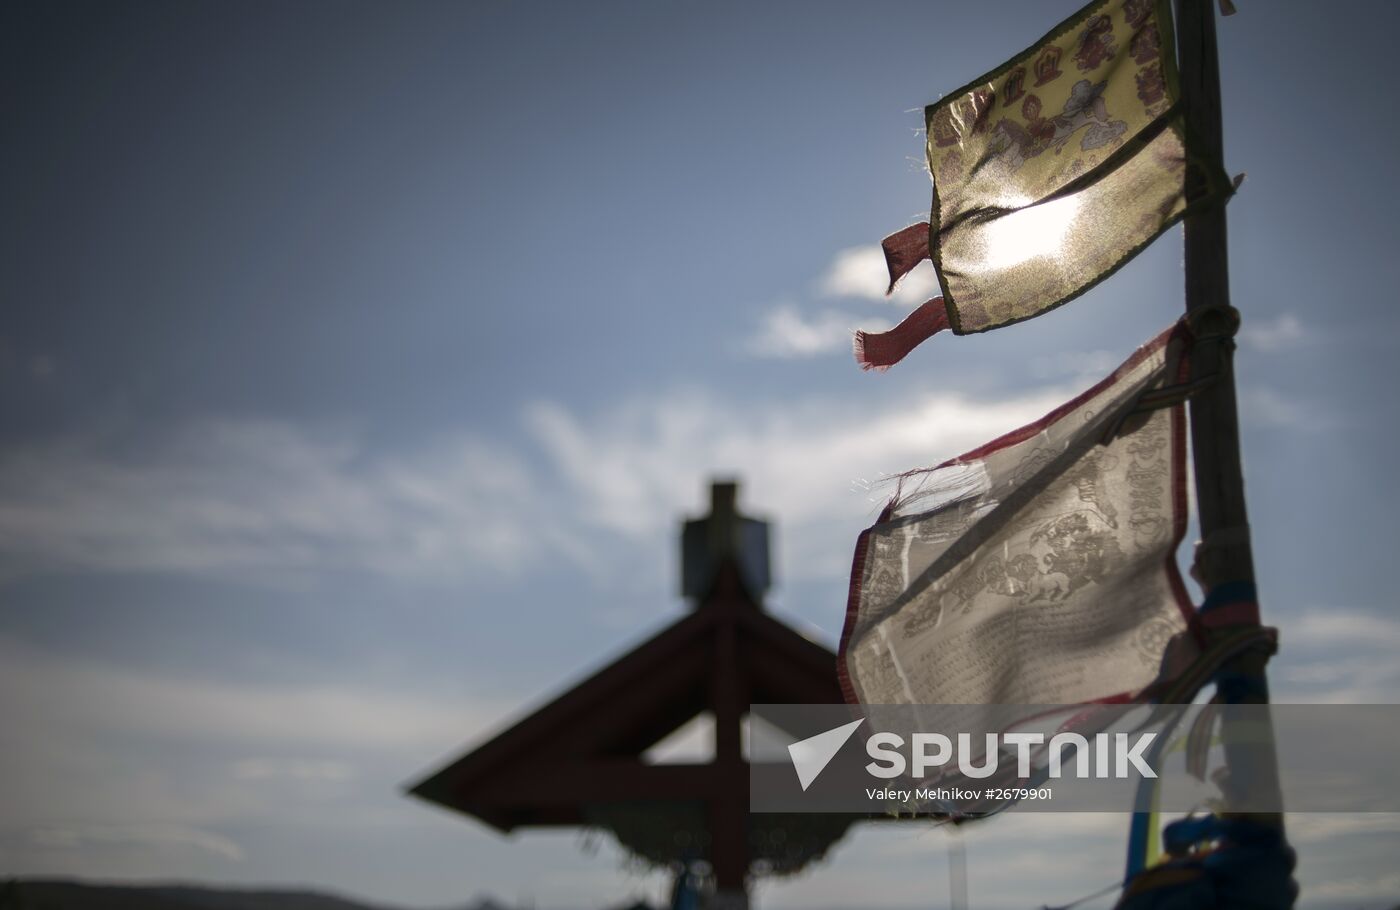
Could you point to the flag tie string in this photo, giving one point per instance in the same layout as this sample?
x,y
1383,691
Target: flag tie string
x,y
1217,322
882,350
904,249
1213,322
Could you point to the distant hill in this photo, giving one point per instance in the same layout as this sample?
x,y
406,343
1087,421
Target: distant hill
x,y
65,895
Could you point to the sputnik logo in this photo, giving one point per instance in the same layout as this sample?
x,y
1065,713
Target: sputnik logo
x,y
811,755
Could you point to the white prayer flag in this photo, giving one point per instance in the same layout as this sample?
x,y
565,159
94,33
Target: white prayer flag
x,y
1037,569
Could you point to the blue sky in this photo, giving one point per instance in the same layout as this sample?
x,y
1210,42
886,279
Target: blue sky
x,y
359,361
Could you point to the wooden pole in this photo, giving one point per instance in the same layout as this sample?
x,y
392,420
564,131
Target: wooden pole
x,y
729,700
1225,554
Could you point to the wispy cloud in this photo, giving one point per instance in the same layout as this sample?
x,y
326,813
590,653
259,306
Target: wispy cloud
x,y
1320,827
154,760
161,838
1007,863
64,695
1360,888
118,772
229,495
1346,627
1338,656
786,332
1280,333
810,464
790,331
1262,407
860,272
297,769
276,500
1090,366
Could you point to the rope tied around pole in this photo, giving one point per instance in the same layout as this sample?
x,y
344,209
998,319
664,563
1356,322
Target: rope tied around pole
x,y
1196,321
1213,322
1212,553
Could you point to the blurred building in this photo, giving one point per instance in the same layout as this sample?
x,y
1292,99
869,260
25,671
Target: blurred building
x,y
580,759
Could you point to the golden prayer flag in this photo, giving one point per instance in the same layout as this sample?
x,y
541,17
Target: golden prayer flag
x,y
1049,173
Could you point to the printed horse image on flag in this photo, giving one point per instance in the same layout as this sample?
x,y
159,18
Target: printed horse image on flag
x,y
1038,569
1049,173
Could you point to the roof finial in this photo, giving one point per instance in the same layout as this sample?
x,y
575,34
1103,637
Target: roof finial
x,y
723,535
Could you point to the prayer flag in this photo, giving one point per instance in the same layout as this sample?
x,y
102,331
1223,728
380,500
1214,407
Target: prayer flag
x,y
1037,569
1049,173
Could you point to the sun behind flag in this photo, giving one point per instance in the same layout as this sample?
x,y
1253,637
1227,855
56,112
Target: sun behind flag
x,y
1049,173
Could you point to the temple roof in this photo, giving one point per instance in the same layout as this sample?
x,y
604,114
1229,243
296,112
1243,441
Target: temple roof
x,y
585,746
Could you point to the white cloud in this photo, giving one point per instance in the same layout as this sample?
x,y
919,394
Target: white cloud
x,y
265,496
50,699
1337,656
1306,828
119,773
111,755
1090,365
808,464
298,769
276,501
905,863
1264,408
160,838
1360,888
1272,336
1346,627
787,333
861,272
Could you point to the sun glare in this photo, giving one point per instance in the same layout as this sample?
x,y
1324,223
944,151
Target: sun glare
x,y
1039,230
